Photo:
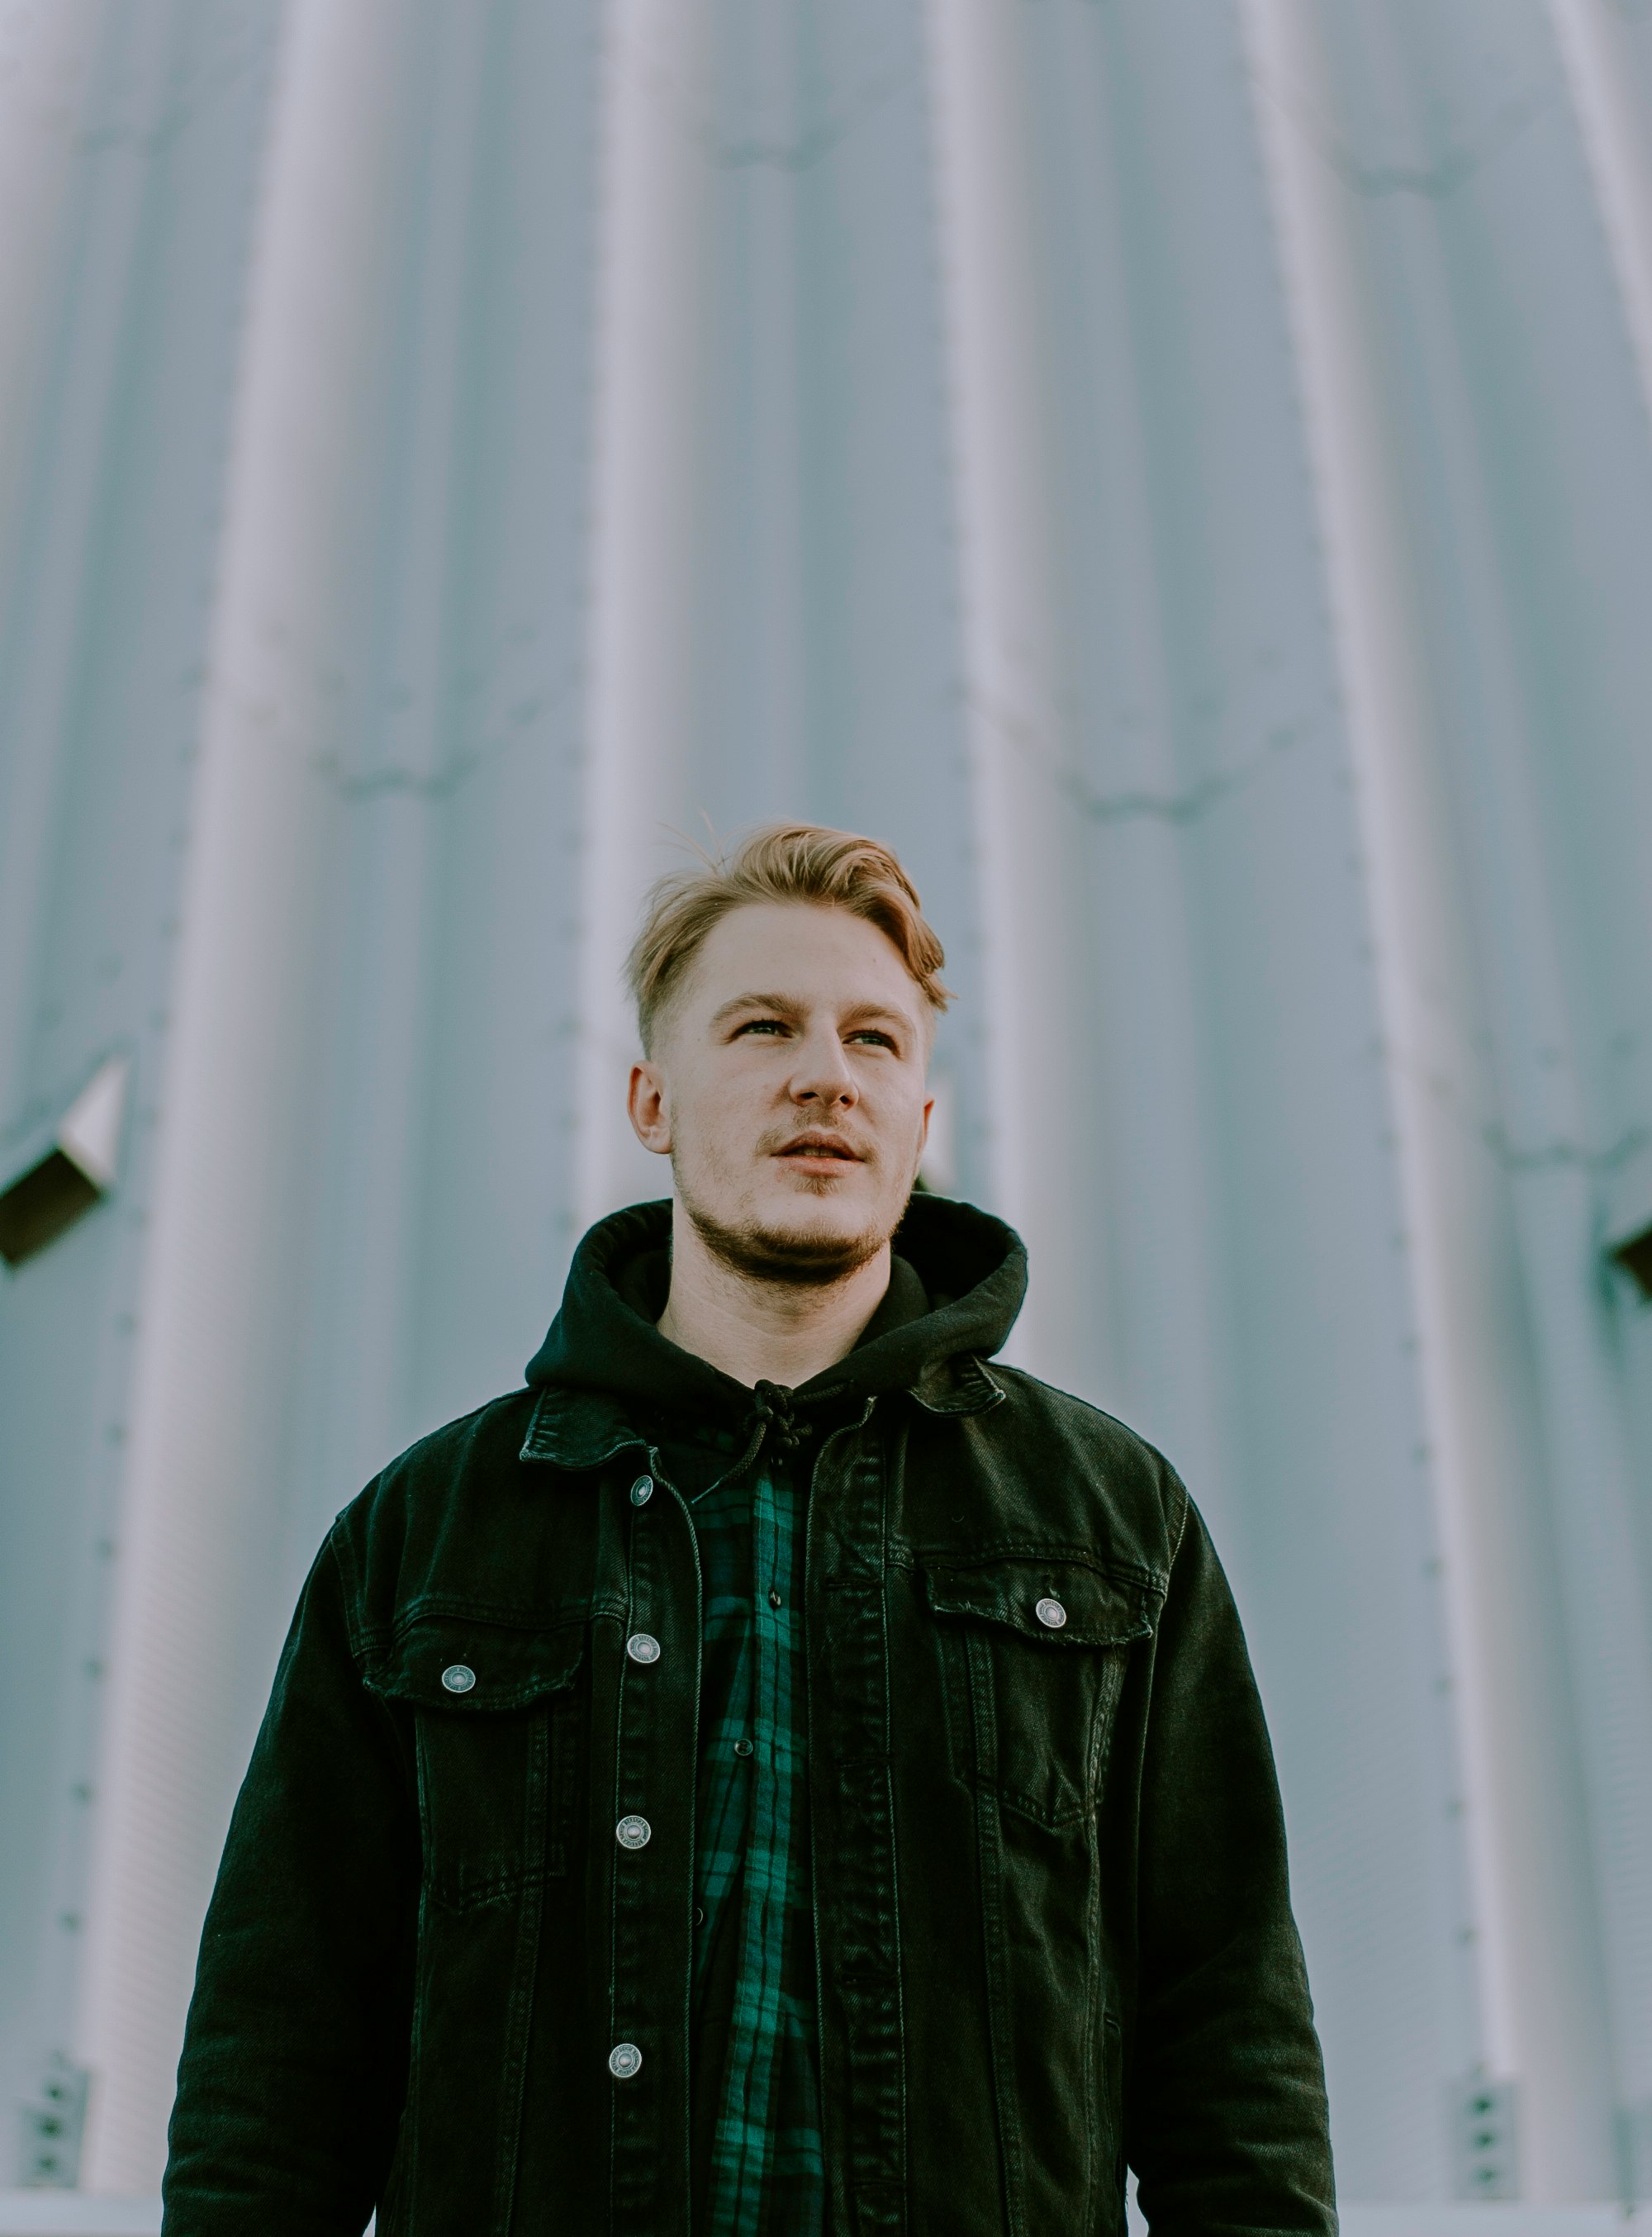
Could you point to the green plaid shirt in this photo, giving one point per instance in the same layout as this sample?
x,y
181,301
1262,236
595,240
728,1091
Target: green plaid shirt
x,y
754,1996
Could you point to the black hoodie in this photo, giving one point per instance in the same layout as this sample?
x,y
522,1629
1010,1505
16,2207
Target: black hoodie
x,y
957,1282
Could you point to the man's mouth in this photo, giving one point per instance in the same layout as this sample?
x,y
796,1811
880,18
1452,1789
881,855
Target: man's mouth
x,y
831,1147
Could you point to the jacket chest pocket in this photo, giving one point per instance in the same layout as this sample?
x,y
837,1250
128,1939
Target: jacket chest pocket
x,y
499,1722
1033,1654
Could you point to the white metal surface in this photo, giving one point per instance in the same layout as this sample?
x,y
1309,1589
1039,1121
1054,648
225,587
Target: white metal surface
x,y
1184,475
71,2213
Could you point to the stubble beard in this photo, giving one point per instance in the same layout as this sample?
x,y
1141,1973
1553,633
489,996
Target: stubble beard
x,y
768,1252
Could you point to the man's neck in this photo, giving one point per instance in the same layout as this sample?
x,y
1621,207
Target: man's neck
x,y
764,1331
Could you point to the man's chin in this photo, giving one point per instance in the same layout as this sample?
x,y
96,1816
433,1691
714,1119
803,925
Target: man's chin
x,y
778,1248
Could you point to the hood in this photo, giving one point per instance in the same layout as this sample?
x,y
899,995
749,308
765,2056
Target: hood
x,y
957,1282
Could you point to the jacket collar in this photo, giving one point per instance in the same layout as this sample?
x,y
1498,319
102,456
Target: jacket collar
x,y
577,1428
961,1385
959,1283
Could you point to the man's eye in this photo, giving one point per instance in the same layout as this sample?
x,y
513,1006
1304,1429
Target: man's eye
x,y
760,1025
871,1033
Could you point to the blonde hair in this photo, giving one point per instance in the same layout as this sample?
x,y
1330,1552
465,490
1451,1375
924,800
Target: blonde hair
x,y
778,862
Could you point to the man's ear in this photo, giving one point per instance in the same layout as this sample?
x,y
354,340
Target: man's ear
x,y
646,1107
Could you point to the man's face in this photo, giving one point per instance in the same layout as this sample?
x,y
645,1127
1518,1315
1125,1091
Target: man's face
x,y
787,1087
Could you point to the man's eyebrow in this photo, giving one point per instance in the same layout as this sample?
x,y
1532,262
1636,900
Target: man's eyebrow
x,y
788,1004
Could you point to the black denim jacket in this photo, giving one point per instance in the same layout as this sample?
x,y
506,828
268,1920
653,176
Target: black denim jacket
x,y
1052,1920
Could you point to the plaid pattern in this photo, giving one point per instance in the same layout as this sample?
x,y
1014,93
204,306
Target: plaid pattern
x,y
752,1877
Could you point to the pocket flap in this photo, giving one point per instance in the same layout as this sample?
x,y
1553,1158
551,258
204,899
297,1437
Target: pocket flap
x,y
1057,1602
474,1668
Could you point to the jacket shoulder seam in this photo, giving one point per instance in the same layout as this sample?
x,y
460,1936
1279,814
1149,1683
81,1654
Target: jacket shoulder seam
x,y
336,1546
1185,1504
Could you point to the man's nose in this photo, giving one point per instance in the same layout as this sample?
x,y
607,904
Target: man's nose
x,y
823,1074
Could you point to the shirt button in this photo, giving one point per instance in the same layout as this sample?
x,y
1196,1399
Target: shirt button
x,y
624,2061
642,1491
774,1599
1050,1613
700,1915
743,1747
458,1678
633,1832
644,1647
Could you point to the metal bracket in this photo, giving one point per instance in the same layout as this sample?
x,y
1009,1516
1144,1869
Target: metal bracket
x,y
64,1175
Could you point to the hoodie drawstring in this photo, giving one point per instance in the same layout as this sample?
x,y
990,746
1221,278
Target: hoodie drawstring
x,y
772,1404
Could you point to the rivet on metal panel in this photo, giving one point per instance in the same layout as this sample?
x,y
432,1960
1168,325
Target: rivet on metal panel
x,y
1484,2162
52,2123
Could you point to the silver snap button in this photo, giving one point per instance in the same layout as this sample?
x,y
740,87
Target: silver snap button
x,y
642,1646
642,1491
458,1678
633,1832
624,2061
743,1747
1050,1613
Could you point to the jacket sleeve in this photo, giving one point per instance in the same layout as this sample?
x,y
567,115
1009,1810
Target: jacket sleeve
x,y
1226,2117
295,2054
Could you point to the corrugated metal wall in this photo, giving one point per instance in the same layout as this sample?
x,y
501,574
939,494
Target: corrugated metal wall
x,y
1179,468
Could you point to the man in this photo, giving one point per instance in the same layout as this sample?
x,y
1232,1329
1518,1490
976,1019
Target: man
x,y
777,1773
